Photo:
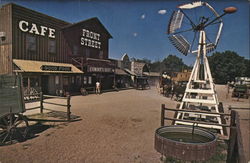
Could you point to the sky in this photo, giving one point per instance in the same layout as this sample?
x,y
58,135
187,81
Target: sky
x,y
139,27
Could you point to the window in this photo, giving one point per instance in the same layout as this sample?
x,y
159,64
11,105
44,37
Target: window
x,y
57,80
52,46
90,80
85,80
87,53
65,81
101,54
30,43
75,50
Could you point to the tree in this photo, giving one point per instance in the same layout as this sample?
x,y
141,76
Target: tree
x,y
169,64
227,65
144,60
173,64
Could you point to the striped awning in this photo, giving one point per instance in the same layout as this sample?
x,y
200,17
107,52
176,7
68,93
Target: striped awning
x,y
44,67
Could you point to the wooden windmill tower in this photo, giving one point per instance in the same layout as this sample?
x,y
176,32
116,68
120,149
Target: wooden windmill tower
x,y
187,30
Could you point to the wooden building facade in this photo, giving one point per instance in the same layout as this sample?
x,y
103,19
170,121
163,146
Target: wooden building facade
x,y
89,44
52,55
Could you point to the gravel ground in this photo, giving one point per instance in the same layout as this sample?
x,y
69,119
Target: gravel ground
x,y
114,127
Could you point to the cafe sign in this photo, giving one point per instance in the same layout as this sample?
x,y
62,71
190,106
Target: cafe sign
x,y
36,29
55,68
90,39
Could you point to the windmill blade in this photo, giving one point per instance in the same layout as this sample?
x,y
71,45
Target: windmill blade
x,y
180,43
175,21
191,5
195,35
218,34
210,47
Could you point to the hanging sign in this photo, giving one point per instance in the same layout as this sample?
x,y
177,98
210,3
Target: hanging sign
x,y
55,68
100,69
90,39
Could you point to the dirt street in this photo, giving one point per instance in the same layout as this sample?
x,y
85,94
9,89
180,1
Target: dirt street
x,y
114,127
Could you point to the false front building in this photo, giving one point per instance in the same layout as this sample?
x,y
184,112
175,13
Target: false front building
x,y
89,41
53,55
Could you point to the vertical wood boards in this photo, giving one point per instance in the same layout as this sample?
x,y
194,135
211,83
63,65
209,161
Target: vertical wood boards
x,y
11,95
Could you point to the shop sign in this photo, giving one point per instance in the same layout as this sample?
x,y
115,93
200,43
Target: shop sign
x,y
36,29
90,39
100,69
55,68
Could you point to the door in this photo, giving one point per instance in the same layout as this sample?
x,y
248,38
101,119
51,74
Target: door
x,y
45,84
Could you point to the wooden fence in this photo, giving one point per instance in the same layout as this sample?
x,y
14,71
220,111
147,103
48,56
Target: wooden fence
x,y
43,101
235,152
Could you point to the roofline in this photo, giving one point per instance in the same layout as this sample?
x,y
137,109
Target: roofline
x,y
83,21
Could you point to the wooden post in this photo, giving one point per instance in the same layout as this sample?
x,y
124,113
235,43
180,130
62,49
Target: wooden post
x,y
240,151
232,138
41,102
68,107
162,114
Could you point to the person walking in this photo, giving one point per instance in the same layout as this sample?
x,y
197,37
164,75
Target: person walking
x,y
98,87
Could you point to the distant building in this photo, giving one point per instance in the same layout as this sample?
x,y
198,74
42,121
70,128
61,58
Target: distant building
x,y
181,76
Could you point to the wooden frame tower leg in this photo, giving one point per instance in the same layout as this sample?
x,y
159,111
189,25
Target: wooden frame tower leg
x,y
203,96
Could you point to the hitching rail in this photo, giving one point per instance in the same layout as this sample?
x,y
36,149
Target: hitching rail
x,y
42,102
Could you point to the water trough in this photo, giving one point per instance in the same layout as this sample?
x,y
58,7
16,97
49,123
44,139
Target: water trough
x,y
187,143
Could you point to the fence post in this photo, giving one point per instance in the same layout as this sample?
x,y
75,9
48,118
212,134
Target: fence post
x,y
162,114
232,138
41,102
68,107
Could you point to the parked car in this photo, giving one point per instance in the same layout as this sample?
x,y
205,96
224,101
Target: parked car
x,y
240,91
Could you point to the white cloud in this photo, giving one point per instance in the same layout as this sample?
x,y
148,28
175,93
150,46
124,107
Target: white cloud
x,y
143,16
162,12
135,34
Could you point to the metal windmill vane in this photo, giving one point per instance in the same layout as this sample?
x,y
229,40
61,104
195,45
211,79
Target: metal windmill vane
x,y
193,31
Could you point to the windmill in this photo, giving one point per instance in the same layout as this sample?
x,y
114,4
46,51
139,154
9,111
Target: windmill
x,y
196,28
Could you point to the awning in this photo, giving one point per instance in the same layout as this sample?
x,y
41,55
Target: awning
x,y
130,72
146,73
45,67
154,74
120,72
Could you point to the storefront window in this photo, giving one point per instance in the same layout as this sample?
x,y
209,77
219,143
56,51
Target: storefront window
x,y
65,81
52,46
30,43
85,80
57,79
31,81
90,80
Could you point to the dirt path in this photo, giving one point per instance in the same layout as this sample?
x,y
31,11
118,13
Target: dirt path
x,y
115,127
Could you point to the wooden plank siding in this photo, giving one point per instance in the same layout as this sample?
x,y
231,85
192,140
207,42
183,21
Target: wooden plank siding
x,y
41,53
6,45
67,36
73,34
